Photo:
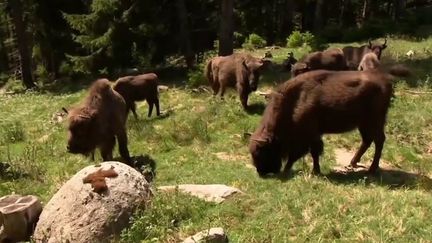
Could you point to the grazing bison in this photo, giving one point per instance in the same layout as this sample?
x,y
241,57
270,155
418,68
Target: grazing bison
x,y
97,122
354,55
330,59
138,88
369,61
289,62
239,70
320,102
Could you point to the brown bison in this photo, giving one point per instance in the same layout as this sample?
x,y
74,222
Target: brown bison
x,y
369,61
138,88
330,59
97,122
320,102
354,55
239,70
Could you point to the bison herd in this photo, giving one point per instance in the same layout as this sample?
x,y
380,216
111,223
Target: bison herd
x,y
331,91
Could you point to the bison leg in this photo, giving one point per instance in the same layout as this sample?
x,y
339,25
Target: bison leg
x,y
366,142
106,149
379,144
123,149
317,148
244,95
150,104
222,91
215,86
156,102
132,107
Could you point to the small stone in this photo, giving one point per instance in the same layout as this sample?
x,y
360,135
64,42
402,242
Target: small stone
x,y
213,235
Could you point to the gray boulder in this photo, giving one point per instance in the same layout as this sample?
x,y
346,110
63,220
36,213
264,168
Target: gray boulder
x,y
80,213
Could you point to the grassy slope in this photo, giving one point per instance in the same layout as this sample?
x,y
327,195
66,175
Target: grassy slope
x,y
201,141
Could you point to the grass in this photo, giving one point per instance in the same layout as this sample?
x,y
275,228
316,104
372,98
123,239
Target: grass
x,y
201,140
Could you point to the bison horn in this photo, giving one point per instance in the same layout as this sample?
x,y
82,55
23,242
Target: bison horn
x,y
84,116
259,140
385,42
370,44
65,110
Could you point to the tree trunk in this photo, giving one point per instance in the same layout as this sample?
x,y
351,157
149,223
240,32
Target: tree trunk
x,y
185,33
318,20
365,11
226,29
399,8
287,19
17,15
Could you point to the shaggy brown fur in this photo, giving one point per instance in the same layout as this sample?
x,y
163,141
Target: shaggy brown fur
x,y
97,179
138,88
369,61
97,122
239,70
354,55
319,102
330,59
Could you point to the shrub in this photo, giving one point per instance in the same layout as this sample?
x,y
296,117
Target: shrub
x,y
196,76
295,39
254,41
298,39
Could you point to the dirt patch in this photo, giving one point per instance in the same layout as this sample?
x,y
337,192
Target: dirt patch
x,y
343,159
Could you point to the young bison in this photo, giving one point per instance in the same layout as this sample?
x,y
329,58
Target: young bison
x,y
97,122
316,103
239,70
138,88
369,61
354,55
330,59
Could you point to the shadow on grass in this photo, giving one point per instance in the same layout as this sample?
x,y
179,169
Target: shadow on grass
x,y
257,108
391,178
144,164
7,173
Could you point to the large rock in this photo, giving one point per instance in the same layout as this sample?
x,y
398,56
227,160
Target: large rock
x,y
79,212
211,193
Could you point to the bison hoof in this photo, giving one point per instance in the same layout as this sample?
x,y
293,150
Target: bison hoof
x,y
316,172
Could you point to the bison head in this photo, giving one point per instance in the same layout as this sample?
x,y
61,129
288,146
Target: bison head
x,y
253,68
266,155
81,132
299,68
377,49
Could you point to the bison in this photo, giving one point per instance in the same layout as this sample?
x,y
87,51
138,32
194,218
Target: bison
x,y
239,70
288,63
138,88
97,122
354,55
321,102
330,59
369,61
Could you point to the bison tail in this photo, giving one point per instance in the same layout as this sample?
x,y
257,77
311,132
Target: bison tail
x,y
399,71
208,71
